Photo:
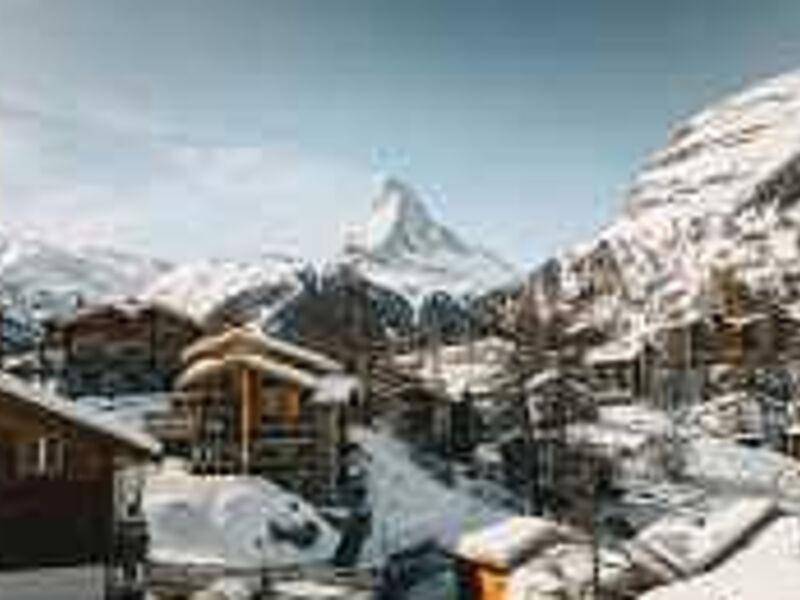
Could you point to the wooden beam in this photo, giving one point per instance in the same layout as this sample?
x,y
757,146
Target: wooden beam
x,y
246,390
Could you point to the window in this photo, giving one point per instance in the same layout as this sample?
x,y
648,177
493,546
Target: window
x,y
42,457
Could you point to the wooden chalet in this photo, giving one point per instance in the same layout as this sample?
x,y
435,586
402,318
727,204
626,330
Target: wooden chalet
x,y
246,402
415,408
118,348
60,495
621,370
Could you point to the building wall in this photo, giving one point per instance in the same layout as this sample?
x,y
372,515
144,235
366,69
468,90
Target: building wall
x,y
56,491
109,354
292,441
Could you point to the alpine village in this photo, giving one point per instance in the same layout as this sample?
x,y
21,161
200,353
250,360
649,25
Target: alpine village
x,y
417,418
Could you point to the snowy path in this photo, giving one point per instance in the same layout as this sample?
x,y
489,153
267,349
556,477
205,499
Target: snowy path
x,y
410,507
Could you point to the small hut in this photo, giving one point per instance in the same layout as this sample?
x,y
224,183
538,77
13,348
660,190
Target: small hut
x,y
60,496
247,402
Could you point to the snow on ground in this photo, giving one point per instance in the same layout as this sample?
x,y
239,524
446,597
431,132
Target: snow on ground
x,y
411,507
565,570
235,521
730,466
768,568
313,590
690,543
475,367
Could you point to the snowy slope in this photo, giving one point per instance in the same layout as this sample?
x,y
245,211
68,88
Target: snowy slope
x,y
409,506
404,249
41,278
204,287
721,193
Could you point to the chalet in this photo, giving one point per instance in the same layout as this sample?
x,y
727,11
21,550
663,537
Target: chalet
x,y
558,397
622,368
246,402
118,348
561,474
793,441
749,417
61,484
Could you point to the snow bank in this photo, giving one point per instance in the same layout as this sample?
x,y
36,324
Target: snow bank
x,y
566,571
226,589
231,520
769,568
314,590
729,465
689,545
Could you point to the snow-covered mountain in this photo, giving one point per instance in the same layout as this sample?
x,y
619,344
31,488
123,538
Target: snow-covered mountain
x,y
720,197
212,288
39,278
402,248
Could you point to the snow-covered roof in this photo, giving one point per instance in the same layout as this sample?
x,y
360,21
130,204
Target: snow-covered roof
x,y
733,413
728,465
203,368
766,568
610,440
477,367
509,542
623,350
252,338
690,544
76,414
635,417
129,308
336,388
566,570
549,376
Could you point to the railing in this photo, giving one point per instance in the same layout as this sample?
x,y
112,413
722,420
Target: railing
x,y
182,580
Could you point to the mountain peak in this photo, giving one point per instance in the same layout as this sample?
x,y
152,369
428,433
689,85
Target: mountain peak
x,y
404,248
400,222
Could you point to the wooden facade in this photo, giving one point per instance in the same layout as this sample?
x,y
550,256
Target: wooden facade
x,y
248,403
118,349
57,478
621,371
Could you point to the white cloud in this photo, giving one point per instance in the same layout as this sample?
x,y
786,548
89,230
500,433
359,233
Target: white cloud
x,y
112,179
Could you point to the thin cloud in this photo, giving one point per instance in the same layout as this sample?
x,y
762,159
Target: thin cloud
x,y
113,178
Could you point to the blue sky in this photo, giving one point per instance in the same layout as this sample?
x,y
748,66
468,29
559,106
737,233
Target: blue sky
x,y
187,128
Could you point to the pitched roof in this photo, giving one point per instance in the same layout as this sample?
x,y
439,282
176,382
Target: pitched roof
x,y
203,368
76,414
252,339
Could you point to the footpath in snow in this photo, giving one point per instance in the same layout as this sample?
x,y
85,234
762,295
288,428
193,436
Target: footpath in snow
x,y
410,507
